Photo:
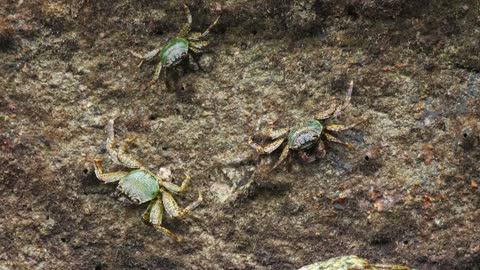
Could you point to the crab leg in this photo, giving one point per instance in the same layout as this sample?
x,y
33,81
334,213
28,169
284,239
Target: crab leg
x,y
186,27
111,141
390,266
175,188
206,32
338,128
106,177
198,44
275,134
269,148
195,50
348,97
326,114
119,156
197,36
192,205
126,159
146,57
335,110
331,138
283,156
154,215
156,75
172,208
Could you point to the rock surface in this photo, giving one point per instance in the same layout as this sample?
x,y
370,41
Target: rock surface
x,y
408,194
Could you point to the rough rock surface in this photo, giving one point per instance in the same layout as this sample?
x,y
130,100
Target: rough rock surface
x,y
408,194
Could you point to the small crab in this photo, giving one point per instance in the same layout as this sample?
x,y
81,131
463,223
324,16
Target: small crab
x,y
351,262
307,138
140,186
177,48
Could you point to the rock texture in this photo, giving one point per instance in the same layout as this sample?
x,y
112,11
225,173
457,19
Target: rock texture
x,y
408,194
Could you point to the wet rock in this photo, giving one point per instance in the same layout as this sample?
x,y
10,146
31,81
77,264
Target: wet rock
x,y
221,192
302,17
469,138
400,196
7,37
369,160
206,62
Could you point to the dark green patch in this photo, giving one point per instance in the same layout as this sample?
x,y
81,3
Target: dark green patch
x,y
174,51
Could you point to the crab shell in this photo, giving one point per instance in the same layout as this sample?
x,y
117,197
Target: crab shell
x,y
139,186
174,52
305,135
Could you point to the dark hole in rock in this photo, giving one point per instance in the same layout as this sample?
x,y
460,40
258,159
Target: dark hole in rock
x,y
352,12
367,158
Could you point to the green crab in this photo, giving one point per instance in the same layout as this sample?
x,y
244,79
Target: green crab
x,y
351,262
139,185
177,48
307,138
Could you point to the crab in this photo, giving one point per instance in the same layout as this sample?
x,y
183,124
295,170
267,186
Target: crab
x,y
351,262
307,137
178,48
140,185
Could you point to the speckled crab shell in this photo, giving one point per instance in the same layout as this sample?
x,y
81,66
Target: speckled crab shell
x,y
139,186
174,51
305,135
